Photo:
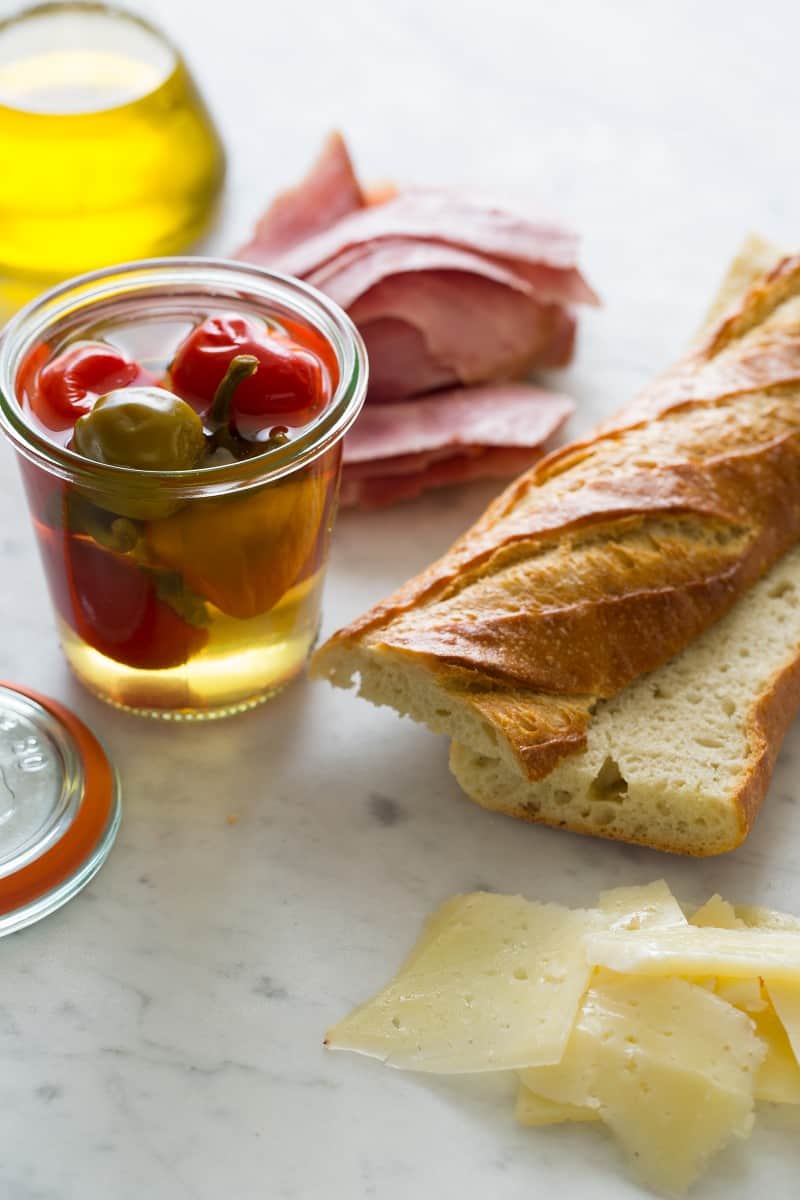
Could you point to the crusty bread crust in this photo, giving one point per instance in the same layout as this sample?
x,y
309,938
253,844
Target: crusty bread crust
x,y
613,554
767,724
690,777
615,590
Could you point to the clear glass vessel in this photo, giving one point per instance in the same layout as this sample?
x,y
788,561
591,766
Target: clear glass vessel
x,y
109,151
182,594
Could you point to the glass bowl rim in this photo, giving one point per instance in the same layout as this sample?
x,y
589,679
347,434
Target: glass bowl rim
x,y
28,327
40,9
37,9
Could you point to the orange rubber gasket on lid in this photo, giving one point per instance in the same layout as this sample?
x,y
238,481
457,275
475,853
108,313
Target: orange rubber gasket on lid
x,y
91,820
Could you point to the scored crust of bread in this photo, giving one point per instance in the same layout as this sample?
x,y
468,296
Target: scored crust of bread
x,y
572,760
681,759
611,555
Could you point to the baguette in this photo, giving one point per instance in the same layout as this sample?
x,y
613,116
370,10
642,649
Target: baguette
x,y
604,562
681,759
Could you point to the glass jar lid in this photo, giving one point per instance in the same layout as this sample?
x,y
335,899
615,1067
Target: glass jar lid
x,y
59,806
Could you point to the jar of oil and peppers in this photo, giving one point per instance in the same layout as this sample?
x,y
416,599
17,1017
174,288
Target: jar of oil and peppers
x,y
178,425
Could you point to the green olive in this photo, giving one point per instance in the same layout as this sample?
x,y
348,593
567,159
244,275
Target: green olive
x,y
146,428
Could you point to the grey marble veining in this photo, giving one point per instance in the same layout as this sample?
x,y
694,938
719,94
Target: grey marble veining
x,y
161,1036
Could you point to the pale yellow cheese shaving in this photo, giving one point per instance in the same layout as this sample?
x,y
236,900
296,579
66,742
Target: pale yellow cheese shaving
x,y
732,953
664,1030
494,984
536,1110
778,1078
668,1066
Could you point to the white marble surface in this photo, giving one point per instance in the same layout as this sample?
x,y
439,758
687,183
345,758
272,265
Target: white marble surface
x,y
161,1036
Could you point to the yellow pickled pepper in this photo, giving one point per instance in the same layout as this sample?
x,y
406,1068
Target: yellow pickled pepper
x,y
243,552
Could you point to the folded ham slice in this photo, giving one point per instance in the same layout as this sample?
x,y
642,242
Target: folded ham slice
x,y
400,362
485,290
329,192
420,475
476,328
541,251
474,311
354,272
396,451
446,290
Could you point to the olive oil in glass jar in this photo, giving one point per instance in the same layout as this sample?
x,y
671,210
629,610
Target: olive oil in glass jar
x,y
108,150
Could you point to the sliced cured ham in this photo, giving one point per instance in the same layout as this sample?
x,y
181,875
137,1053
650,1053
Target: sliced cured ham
x,y
466,317
476,328
508,414
396,451
329,192
448,292
412,477
543,249
355,271
479,285
400,364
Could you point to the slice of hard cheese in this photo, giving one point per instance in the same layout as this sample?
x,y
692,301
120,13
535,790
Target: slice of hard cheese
x,y
668,1066
536,1110
717,913
433,926
735,953
778,1078
496,984
744,993
649,906
785,999
785,996
766,918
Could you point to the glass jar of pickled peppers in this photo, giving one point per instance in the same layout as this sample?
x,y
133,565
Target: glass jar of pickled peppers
x,y
193,592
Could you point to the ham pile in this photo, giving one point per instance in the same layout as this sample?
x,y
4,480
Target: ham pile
x,y
453,297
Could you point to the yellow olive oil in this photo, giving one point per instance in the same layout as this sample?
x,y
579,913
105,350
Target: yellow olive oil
x,y
109,153
242,664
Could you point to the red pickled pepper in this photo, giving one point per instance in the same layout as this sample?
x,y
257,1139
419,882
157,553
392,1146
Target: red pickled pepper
x,y
103,596
290,386
67,387
113,605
